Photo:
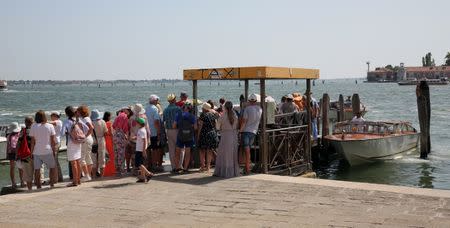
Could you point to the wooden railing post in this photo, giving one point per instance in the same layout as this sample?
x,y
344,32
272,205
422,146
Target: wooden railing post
x,y
194,95
355,104
325,109
308,118
264,144
246,89
341,108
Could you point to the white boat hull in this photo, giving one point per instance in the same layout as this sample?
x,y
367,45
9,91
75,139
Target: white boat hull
x,y
2,148
358,152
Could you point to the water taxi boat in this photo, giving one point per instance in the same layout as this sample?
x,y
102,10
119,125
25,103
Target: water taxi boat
x,y
3,85
367,141
441,81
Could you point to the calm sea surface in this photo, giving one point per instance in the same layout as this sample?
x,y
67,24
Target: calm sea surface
x,y
385,102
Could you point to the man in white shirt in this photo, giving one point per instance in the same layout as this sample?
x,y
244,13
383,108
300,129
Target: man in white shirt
x,y
43,147
249,127
358,121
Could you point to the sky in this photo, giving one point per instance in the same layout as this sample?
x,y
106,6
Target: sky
x,y
79,40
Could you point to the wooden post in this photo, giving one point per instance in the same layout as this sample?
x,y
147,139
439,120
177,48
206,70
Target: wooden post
x,y
318,119
325,109
355,104
264,143
194,95
308,119
246,89
424,110
341,108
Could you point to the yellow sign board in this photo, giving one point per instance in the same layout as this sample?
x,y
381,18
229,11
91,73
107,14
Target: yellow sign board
x,y
260,72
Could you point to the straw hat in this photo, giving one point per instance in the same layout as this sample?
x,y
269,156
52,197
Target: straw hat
x,y
253,97
171,97
206,106
290,97
14,127
138,109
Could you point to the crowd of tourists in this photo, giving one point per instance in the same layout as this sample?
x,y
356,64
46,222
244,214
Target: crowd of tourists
x,y
135,141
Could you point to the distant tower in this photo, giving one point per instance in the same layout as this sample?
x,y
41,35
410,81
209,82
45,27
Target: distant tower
x,y
401,73
368,66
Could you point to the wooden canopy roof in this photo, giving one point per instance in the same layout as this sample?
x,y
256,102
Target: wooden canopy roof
x,y
259,72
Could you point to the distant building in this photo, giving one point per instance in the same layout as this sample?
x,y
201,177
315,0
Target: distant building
x,y
382,74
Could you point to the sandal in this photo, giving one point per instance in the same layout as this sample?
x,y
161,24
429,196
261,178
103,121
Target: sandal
x,y
71,185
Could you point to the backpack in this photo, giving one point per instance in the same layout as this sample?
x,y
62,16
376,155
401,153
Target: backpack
x,y
76,133
23,151
186,131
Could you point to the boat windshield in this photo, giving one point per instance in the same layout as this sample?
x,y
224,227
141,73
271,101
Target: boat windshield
x,y
370,127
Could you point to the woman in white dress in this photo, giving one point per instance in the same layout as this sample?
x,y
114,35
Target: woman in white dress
x,y
227,154
73,148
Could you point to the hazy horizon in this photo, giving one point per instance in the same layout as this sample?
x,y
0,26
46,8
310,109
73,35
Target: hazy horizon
x,y
111,40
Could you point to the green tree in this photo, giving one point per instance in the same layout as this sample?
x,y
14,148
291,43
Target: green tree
x,y
389,67
447,59
427,60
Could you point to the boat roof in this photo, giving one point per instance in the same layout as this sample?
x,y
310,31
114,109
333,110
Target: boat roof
x,y
256,72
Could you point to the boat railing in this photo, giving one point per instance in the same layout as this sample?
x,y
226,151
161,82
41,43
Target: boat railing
x,y
289,119
373,127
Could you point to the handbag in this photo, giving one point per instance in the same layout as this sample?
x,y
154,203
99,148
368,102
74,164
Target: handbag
x,y
95,146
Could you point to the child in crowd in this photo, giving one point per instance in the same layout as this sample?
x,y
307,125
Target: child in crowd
x,y
11,151
141,144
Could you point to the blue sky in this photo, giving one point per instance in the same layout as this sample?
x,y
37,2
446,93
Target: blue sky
x,y
157,39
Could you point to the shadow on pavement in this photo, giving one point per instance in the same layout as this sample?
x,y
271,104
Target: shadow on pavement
x,y
112,185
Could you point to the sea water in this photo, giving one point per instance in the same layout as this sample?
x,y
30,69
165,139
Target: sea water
x,y
385,101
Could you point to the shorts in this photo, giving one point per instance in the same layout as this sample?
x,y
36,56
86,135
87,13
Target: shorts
x,y
28,170
187,144
247,139
48,159
154,142
138,159
11,156
130,148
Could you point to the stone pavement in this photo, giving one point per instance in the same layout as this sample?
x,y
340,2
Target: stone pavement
x,y
200,200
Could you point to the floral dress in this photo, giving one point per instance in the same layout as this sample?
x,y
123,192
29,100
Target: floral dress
x,y
208,134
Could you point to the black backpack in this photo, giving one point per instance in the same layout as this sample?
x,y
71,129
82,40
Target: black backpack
x,y
185,130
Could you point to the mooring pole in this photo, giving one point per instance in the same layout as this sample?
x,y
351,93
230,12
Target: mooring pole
x,y
325,120
341,108
424,110
355,104
264,143
308,119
